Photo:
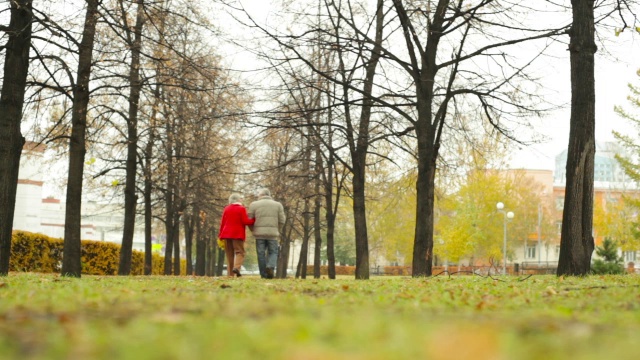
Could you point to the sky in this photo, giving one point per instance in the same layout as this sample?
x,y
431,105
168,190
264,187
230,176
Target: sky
x,y
613,73
616,65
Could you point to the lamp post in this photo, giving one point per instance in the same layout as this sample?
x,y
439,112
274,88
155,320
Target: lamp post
x,y
508,215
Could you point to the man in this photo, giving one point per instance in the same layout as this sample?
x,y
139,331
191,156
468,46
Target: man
x,y
270,218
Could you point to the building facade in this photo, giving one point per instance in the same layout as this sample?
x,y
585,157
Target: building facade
x,y
33,213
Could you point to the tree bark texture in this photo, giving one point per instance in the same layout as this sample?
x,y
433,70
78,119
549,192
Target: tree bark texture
x,y
576,243
130,197
71,261
16,66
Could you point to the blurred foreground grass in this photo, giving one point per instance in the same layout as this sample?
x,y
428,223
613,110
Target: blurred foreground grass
x,y
542,317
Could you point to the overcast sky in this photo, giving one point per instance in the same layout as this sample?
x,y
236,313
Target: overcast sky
x,y
616,65
613,73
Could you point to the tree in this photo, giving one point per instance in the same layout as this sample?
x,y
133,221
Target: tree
x,y
576,242
16,66
134,41
469,225
610,263
71,262
619,221
616,219
423,32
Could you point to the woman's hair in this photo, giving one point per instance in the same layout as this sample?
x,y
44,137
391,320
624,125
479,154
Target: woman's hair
x,y
235,197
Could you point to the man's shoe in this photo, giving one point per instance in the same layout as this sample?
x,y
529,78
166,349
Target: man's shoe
x,y
269,273
237,272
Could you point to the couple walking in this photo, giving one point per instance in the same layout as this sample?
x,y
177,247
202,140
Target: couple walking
x,y
265,218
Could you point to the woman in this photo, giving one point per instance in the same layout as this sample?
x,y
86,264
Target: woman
x,y
232,231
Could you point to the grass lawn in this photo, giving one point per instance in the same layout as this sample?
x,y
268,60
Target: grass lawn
x,y
45,316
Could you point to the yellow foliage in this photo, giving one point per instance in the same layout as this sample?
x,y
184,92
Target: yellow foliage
x,y
39,253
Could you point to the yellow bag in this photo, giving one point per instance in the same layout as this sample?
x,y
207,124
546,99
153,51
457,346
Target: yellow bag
x,y
221,244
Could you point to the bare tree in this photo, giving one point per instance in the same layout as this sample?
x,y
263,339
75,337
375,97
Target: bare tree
x,y
134,40
16,66
71,263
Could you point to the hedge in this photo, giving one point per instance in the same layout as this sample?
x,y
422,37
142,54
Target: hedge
x,y
340,270
39,253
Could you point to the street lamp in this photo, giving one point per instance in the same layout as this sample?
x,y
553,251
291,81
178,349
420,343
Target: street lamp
x,y
507,216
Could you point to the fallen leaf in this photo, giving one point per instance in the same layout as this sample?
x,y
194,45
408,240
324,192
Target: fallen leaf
x,y
549,291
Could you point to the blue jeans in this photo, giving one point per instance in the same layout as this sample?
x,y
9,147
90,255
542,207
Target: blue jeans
x,y
267,255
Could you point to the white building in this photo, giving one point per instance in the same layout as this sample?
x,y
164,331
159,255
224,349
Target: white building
x,y
33,213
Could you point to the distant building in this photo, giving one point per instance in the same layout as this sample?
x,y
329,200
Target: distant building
x,y
606,169
102,222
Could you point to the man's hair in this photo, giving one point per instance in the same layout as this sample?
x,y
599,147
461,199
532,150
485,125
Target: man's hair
x,y
235,197
264,192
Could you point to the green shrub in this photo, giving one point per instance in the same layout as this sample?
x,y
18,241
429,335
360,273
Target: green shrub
x,y
609,263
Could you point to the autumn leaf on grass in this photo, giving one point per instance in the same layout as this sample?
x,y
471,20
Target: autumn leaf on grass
x,y
550,291
225,286
481,305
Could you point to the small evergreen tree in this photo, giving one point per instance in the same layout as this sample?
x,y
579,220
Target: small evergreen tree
x,y
608,262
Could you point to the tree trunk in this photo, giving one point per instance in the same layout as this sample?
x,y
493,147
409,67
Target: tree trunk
x,y
427,128
176,246
285,246
130,197
330,216
168,247
148,210
576,244
16,66
301,271
360,221
189,231
71,260
148,219
201,245
316,220
212,248
220,263
425,184
331,257
170,199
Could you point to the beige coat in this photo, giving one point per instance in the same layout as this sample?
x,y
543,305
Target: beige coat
x,y
270,218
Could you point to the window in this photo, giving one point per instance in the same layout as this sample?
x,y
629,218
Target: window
x,y
629,256
531,252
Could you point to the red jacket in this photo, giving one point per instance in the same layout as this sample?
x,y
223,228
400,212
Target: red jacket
x,y
234,220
